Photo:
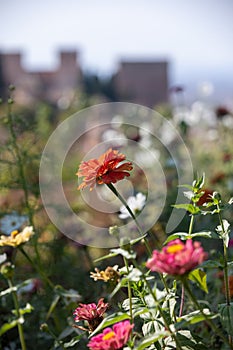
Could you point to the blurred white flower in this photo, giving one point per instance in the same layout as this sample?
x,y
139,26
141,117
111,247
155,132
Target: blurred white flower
x,y
3,258
146,158
136,204
117,121
145,134
115,137
227,121
29,286
71,296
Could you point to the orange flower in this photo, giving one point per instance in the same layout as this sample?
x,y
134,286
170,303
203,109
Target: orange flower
x,y
108,168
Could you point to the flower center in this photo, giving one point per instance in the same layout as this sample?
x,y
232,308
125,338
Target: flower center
x,y
109,335
174,248
14,233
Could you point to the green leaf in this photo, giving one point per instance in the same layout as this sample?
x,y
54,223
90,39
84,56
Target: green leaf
x,y
108,256
136,240
189,194
120,251
110,320
226,313
205,234
135,275
199,183
211,264
73,341
199,277
124,253
68,294
26,310
123,282
147,341
224,231
188,207
193,317
7,326
176,235
53,306
15,288
8,291
184,235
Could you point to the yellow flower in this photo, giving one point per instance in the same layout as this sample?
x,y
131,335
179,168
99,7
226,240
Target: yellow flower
x,y
16,238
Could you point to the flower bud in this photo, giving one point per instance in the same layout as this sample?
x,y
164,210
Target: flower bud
x,y
44,327
7,270
114,231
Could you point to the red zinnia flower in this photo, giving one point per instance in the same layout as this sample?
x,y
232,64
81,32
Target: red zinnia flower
x,y
112,338
108,168
177,258
91,313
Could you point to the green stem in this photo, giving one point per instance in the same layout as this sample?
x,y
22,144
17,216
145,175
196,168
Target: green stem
x,y
129,292
20,164
22,177
182,301
123,201
226,281
191,226
88,257
45,328
225,269
37,268
16,304
199,307
167,326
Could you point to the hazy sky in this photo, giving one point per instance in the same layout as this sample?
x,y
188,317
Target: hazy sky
x,y
195,36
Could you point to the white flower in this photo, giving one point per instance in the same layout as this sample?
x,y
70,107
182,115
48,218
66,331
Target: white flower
x,y
16,238
136,204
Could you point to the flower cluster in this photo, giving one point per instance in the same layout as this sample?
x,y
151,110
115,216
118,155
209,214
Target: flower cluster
x,y
177,257
112,338
16,238
110,167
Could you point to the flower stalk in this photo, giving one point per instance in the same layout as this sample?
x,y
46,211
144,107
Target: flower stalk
x,y
123,201
167,326
20,165
17,309
199,307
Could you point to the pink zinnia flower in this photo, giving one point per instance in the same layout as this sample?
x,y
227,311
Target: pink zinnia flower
x,y
91,313
110,167
177,257
112,338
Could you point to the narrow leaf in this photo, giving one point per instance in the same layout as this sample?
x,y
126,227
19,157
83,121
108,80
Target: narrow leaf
x,y
7,326
199,277
108,321
53,306
226,313
147,341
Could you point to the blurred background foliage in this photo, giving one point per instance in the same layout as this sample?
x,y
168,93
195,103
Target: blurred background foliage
x,y
66,262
